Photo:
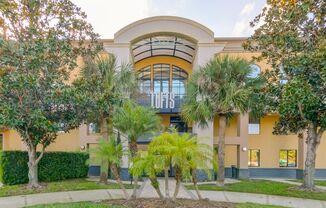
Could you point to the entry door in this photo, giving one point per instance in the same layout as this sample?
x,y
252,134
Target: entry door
x,y
177,123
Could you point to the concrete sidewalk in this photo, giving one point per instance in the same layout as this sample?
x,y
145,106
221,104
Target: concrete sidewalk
x,y
147,191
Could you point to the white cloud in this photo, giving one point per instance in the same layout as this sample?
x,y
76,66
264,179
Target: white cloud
x,y
107,17
248,9
242,26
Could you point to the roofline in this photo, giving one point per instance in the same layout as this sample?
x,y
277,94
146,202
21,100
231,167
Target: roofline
x,y
169,18
230,38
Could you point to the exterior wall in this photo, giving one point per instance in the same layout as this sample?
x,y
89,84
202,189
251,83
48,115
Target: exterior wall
x,y
237,138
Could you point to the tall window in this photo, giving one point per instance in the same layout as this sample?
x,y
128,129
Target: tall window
x,y
254,158
254,125
179,78
144,78
1,142
161,81
288,158
161,78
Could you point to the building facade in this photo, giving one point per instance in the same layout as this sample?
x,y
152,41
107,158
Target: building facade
x,y
165,51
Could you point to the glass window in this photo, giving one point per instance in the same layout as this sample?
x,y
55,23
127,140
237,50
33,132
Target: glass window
x,y
253,158
93,128
288,158
1,142
179,78
144,80
254,125
255,71
161,78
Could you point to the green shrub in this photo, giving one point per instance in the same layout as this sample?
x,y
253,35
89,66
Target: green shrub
x,y
54,166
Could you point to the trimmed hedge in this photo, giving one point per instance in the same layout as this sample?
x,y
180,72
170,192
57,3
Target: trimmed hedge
x,y
54,166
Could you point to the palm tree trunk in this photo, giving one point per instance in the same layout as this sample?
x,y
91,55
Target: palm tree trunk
x,y
310,163
134,149
156,186
194,180
166,179
116,174
178,183
221,149
104,162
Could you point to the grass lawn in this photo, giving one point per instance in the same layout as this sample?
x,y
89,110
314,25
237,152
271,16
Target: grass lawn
x,y
317,182
97,205
68,185
76,205
264,187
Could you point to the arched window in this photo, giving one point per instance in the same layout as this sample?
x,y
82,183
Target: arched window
x,y
255,71
161,81
144,78
179,78
161,78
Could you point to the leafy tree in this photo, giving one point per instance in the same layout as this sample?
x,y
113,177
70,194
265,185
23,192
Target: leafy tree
x,y
185,154
291,36
134,121
39,44
221,88
150,164
112,152
106,85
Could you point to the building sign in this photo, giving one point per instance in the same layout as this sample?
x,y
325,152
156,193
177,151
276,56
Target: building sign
x,y
162,100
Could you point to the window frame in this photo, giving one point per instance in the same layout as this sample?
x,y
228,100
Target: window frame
x,y
89,133
287,158
259,126
250,156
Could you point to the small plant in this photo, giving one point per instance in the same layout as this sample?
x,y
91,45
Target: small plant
x,y
112,151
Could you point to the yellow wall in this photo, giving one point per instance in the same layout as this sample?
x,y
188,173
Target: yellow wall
x,y
231,129
64,141
164,60
269,144
230,155
248,56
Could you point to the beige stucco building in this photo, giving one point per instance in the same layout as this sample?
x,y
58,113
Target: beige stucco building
x,y
165,51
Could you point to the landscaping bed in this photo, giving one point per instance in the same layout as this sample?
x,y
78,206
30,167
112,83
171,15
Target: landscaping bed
x,y
154,203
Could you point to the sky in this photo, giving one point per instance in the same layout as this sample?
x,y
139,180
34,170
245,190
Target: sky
x,y
226,18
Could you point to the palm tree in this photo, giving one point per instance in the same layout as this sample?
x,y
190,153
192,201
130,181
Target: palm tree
x,y
201,157
106,85
111,151
134,121
151,165
220,88
162,140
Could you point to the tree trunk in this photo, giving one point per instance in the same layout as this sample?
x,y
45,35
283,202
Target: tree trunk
x,y
104,163
310,163
166,179
221,149
33,167
178,183
156,186
194,180
134,149
116,174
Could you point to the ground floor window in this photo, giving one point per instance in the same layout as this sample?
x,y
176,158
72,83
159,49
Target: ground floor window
x,y
93,128
288,158
253,157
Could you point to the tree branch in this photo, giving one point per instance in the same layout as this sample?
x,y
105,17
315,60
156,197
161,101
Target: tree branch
x,y
320,133
41,155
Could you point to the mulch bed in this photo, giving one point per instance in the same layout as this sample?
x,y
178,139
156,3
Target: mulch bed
x,y
162,203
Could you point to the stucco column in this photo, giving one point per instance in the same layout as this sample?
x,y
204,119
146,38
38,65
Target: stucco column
x,y
243,146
